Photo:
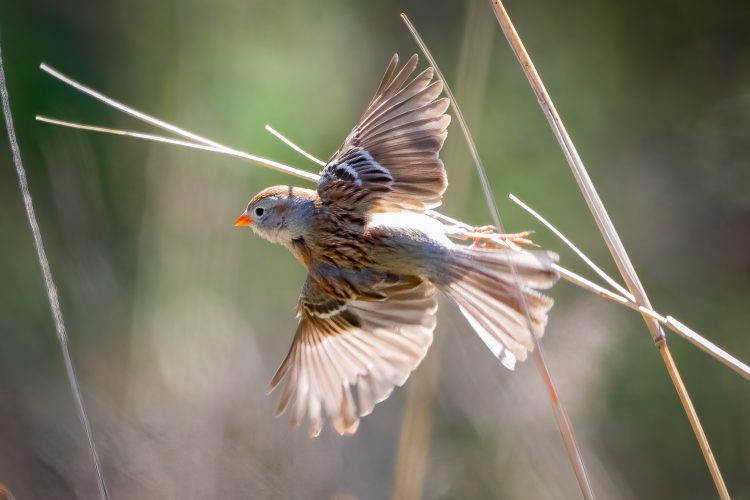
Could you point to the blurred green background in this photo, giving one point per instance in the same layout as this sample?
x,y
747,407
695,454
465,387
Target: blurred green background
x,y
177,320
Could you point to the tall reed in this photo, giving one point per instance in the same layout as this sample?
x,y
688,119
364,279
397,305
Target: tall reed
x,y
609,234
54,301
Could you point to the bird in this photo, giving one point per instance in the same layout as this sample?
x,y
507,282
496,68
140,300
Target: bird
x,y
376,261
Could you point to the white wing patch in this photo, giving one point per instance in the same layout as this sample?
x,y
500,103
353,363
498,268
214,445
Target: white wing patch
x,y
332,312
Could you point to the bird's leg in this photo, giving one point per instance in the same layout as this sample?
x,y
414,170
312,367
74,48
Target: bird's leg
x,y
488,237
483,236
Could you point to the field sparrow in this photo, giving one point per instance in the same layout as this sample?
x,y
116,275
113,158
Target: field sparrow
x,y
375,261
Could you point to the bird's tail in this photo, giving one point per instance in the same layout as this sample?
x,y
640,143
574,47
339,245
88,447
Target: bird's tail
x,y
482,283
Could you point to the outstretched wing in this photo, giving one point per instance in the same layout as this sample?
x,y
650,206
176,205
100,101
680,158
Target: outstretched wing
x,y
390,160
348,355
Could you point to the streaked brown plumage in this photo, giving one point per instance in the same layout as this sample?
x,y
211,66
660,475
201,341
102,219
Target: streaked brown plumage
x,y
375,261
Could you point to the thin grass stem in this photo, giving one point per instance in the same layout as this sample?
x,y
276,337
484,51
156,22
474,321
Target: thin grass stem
x,y
708,347
292,145
614,284
171,128
691,336
668,321
127,109
52,297
609,233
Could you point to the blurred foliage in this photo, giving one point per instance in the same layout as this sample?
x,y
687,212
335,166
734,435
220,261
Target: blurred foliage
x,y
177,320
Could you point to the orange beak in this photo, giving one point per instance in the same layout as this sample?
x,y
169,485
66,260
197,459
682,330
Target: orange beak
x,y
243,220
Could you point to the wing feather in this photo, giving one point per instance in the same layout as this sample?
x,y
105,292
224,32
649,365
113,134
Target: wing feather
x,y
343,364
390,160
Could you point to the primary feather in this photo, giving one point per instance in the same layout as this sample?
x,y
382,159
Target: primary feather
x,y
390,160
354,348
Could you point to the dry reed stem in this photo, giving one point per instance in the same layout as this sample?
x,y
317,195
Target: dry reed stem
x,y
614,284
166,126
608,231
52,297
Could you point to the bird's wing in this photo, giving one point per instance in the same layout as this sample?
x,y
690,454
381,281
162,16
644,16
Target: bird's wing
x,y
348,355
390,160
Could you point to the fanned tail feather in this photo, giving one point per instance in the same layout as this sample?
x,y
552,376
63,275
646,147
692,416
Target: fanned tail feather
x,y
484,288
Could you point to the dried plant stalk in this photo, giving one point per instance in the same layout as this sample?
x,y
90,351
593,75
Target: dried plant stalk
x,y
207,144
54,301
609,233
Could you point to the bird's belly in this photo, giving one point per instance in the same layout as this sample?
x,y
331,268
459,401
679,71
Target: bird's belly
x,y
410,243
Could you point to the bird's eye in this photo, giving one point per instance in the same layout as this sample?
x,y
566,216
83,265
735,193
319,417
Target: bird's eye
x,y
259,211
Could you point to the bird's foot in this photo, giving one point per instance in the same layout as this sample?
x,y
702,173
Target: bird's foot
x,y
488,237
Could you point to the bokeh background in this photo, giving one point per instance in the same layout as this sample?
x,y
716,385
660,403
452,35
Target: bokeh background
x,y
177,320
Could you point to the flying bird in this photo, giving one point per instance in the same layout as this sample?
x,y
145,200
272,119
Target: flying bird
x,y
376,261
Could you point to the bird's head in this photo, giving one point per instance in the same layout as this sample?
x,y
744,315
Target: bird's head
x,y
279,213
